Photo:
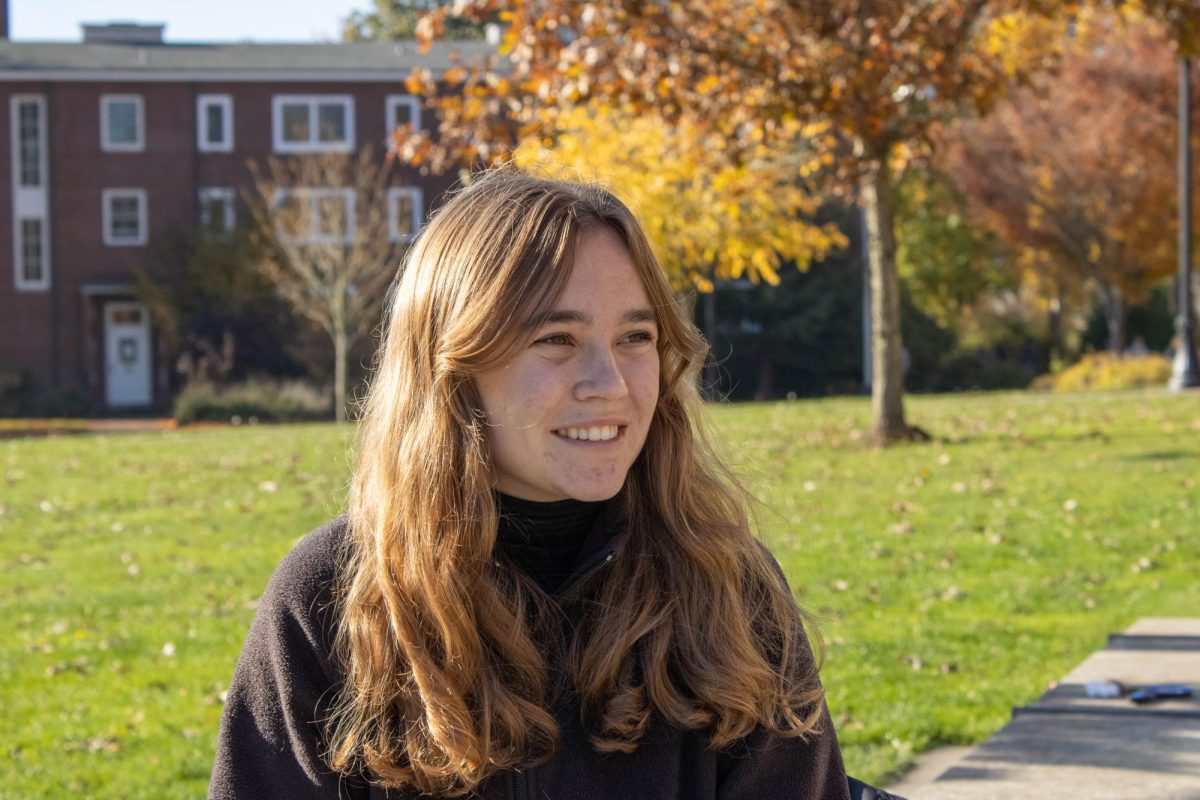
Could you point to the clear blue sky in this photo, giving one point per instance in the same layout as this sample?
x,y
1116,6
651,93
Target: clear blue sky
x,y
187,20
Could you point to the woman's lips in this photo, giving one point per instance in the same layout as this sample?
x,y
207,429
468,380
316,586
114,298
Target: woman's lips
x,y
590,433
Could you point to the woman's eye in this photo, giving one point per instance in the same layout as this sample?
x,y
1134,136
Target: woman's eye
x,y
640,336
555,338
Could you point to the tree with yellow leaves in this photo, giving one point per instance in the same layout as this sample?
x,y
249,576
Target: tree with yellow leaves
x,y
707,215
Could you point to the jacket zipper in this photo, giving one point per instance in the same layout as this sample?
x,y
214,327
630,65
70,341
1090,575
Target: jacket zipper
x,y
521,788
590,571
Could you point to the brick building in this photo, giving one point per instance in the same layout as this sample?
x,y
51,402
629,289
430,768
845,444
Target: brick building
x,y
111,142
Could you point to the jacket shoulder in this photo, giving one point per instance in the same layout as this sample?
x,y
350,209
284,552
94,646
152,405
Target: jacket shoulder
x,y
305,577
272,739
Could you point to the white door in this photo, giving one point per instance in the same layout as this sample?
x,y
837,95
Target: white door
x,y
127,354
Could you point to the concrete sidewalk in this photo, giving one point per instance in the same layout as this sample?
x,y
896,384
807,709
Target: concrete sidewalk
x,y
1067,745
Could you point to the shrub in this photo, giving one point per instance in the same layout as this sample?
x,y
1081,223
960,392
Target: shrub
x,y
255,399
68,403
980,371
1107,371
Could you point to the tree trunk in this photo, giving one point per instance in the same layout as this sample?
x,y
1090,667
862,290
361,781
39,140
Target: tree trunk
x,y
887,375
1054,326
766,376
1114,317
339,372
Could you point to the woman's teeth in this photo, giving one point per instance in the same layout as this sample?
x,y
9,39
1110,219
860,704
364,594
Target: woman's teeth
x,y
600,433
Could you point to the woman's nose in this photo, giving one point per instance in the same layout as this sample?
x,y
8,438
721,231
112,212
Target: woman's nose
x,y
600,376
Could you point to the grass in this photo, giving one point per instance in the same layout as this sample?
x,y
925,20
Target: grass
x,y
952,580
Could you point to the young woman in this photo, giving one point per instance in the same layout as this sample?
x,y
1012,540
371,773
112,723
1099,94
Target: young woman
x,y
546,585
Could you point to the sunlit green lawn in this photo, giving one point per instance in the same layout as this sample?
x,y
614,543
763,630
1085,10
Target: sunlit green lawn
x,y
952,580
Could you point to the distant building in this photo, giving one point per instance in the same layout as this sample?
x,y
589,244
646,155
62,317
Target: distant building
x,y
112,142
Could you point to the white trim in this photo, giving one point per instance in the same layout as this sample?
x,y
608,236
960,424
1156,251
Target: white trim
x,y
113,289
389,111
109,146
30,202
393,216
106,198
392,76
225,102
312,144
312,197
229,196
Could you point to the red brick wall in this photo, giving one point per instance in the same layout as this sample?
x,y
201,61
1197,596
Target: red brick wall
x,y
48,332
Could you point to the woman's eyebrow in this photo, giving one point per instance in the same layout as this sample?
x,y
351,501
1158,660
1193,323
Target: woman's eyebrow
x,y
567,316
640,315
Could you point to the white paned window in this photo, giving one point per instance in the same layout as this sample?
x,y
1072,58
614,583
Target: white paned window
x,y
217,209
124,216
31,135
214,123
30,193
402,109
312,123
405,210
315,216
122,123
32,253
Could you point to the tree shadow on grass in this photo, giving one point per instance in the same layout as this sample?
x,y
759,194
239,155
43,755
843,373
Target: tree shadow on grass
x,y
1162,455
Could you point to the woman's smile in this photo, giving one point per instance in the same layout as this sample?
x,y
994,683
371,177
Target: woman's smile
x,y
590,433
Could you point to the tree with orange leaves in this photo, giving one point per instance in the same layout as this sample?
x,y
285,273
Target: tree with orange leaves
x,y
880,73
1078,171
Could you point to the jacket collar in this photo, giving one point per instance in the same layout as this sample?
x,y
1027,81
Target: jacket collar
x,y
603,544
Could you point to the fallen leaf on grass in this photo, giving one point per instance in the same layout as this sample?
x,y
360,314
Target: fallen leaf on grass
x,y
953,593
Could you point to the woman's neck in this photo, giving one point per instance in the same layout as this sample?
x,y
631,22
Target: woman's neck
x,y
544,539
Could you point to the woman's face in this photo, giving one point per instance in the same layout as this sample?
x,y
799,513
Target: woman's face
x,y
569,413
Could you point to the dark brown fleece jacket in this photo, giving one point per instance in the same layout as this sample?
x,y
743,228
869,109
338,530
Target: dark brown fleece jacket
x,y
271,741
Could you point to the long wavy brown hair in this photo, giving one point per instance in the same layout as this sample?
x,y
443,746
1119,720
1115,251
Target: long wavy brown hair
x,y
446,680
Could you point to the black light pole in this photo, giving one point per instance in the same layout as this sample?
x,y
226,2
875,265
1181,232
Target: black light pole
x,y
1184,372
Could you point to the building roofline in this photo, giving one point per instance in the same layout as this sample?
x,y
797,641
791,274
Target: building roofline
x,y
356,61
208,76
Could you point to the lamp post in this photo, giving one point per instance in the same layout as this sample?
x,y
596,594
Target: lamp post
x,y
1184,372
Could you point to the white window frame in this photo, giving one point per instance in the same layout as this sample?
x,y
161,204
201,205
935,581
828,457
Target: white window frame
x,y
313,144
393,216
30,202
106,198
39,101
110,146
225,102
389,110
229,196
312,196
22,283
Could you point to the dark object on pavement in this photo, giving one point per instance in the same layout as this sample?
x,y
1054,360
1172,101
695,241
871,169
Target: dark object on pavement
x,y
1162,691
861,791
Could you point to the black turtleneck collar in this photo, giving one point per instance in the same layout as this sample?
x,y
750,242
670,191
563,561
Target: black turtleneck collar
x,y
545,539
